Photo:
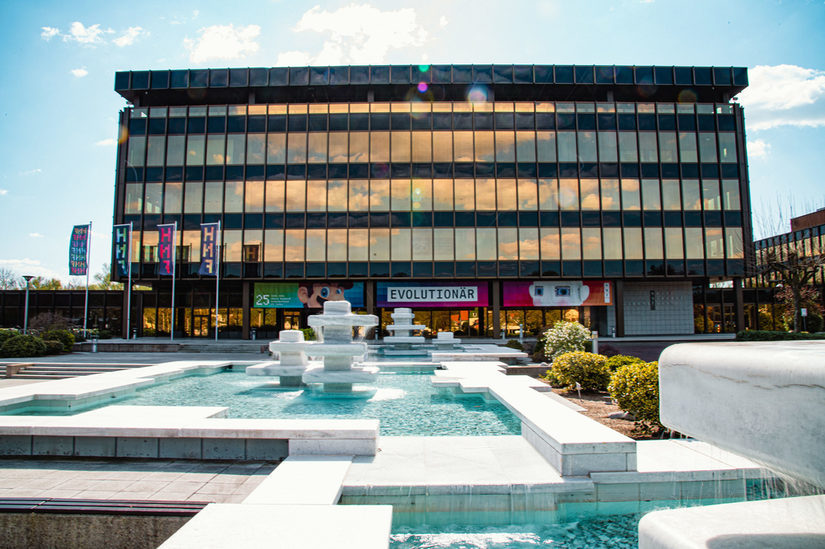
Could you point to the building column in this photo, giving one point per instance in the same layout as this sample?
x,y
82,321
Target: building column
x,y
369,297
618,300
247,312
496,309
739,303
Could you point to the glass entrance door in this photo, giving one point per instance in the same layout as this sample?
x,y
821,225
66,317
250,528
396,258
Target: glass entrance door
x,y
200,326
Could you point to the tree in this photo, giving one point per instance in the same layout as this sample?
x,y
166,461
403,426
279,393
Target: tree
x,y
9,280
40,283
104,280
794,271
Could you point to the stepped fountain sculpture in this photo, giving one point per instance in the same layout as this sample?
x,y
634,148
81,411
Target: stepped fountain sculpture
x,y
292,362
402,340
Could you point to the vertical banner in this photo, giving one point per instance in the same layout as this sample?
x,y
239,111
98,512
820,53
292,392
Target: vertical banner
x,y
209,249
78,248
121,243
166,249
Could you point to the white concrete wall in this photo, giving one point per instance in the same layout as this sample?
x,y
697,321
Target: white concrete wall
x,y
673,313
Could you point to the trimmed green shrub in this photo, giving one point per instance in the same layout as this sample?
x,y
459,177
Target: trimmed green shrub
x,y
23,345
514,344
6,333
565,337
587,369
635,387
104,334
65,337
767,335
53,346
551,379
617,361
309,334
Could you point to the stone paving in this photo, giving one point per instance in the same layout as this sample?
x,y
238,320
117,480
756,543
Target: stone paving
x,y
171,480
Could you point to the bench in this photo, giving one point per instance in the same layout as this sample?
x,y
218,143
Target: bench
x,y
13,368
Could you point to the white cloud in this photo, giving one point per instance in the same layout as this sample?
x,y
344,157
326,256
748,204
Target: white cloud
x,y
359,34
4,192
35,235
442,21
82,34
758,148
128,38
79,73
34,171
782,95
29,267
47,33
293,59
111,141
223,42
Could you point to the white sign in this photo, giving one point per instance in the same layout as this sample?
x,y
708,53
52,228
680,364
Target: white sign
x,y
406,294
804,312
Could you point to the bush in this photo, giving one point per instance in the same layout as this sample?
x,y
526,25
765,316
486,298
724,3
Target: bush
x,y
814,323
309,334
6,333
767,335
23,345
565,337
104,334
53,346
551,378
65,337
514,344
49,321
617,361
587,369
635,387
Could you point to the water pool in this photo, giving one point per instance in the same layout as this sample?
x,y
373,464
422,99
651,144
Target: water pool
x,y
405,403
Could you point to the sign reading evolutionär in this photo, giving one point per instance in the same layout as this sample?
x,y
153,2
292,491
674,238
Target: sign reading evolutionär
x,y
453,294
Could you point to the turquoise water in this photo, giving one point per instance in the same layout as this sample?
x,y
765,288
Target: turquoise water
x,y
406,404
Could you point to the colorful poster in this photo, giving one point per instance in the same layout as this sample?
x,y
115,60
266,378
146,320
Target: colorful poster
x,y
78,248
121,242
306,295
209,249
444,294
566,293
166,249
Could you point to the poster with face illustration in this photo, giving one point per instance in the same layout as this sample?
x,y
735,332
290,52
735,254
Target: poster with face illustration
x,y
309,295
566,293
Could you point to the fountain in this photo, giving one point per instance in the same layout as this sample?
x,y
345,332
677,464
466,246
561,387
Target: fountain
x,y
402,340
761,400
293,362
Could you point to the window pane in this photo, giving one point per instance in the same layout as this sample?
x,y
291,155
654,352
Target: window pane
x,y
192,245
707,146
591,243
570,243
627,147
193,198
506,191
549,194
294,245
359,147
442,147
155,151
727,147
484,147
528,238
274,196
254,198
587,146
359,244
422,194
173,198
338,151
648,151
507,244
589,194
337,195
567,146
194,150
422,147
610,194
465,194
465,244
505,146
401,195
316,244
379,146
690,194
359,195
316,196
486,246
215,149
233,199
175,150
730,193
735,245
235,149
670,194
526,146
550,248
714,245
400,146
134,199
608,150
463,143
154,198
569,194
137,151
650,195
213,197
317,148
275,148
527,194
632,243
710,194
667,147
255,145
694,245
673,243
379,195
442,194
232,245
653,243
687,146
422,244
295,196
379,244
336,245
612,238
546,146
630,194
443,244
296,148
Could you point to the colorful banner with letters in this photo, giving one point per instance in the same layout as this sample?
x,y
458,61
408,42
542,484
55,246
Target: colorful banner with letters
x,y
166,249
78,247
121,243
209,249
444,294
310,295
558,293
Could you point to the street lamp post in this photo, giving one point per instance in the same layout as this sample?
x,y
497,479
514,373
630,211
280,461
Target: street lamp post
x,y
26,308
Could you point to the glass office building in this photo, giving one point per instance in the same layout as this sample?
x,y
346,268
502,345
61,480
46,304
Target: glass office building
x,y
487,198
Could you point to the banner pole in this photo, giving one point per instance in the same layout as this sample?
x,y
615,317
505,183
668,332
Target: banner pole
x,y
174,268
129,287
86,303
218,280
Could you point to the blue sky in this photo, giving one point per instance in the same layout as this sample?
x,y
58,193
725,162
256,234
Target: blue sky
x,y
59,110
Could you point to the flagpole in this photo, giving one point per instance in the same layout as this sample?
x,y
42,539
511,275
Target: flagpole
x,y
86,304
174,267
218,280
129,287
